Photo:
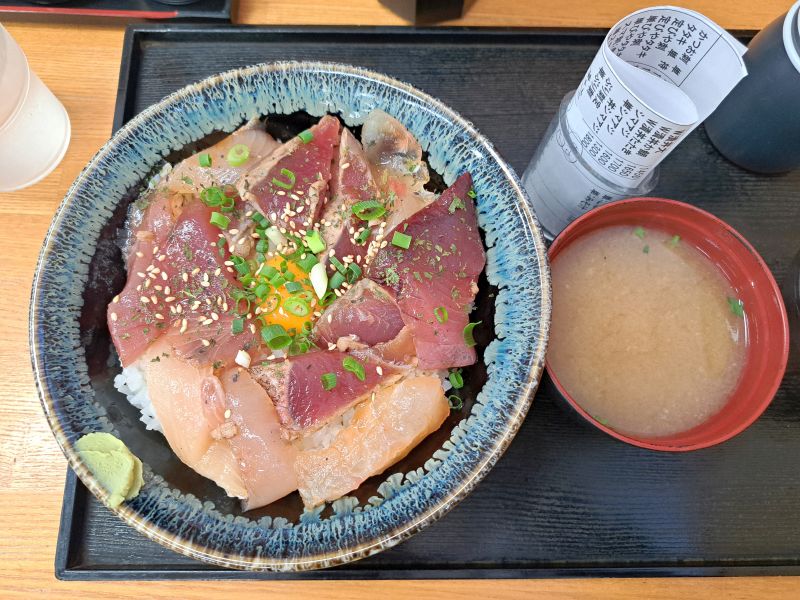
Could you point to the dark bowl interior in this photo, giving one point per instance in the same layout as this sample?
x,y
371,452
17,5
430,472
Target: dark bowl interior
x,y
107,277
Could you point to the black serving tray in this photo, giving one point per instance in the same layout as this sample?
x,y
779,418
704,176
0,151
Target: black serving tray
x,y
565,500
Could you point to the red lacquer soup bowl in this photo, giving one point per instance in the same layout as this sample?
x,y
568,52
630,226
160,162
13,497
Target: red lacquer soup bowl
x,y
766,322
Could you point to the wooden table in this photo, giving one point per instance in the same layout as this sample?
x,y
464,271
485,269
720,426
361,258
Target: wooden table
x,y
81,65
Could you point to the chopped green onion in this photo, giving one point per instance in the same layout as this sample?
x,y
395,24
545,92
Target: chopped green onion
x,y
212,196
261,291
204,159
353,366
307,263
737,306
293,286
262,246
468,339
296,306
237,326
275,236
278,281
440,312
353,273
220,220
240,265
288,275
401,240
646,249
369,210
338,264
362,237
328,381
319,280
455,402
289,175
260,219
227,204
336,281
271,304
306,136
327,299
673,242
471,193
275,337
455,205
639,232
456,380
269,271
238,155
314,242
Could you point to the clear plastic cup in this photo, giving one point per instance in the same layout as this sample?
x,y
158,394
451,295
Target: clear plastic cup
x,y
34,126
563,185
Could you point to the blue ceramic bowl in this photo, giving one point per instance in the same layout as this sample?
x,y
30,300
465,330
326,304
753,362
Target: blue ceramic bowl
x,y
80,268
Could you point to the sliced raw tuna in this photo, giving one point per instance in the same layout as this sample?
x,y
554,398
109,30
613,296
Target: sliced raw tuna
x,y
438,273
367,311
132,324
189,176
201,284
352,182
296,389
291,185
383,430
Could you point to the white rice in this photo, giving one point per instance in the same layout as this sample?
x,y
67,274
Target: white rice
x,y
131,383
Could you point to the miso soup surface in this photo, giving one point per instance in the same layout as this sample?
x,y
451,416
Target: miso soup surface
x,y
643,335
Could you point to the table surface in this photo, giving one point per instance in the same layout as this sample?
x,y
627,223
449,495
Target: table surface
x,y
81,66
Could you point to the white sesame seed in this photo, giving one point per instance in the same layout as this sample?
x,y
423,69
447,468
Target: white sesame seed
x,y
140,274
214,316
345,165
207,322
179,309
218,271
195,271
115,299
114,317
331,346
153,299
281,193
169,299
379,371
144,299
139,254
233,231
157,288
159,316
205,343
330,318
185,277
228,410
184,325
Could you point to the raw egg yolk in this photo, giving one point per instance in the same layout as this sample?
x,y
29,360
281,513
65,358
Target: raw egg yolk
x,y
290,309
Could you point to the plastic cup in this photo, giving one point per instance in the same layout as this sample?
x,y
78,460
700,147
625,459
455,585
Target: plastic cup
x,y
563,185
34,126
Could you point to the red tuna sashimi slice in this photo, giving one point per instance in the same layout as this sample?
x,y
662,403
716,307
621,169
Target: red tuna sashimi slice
x,y
352,182
130,323
383,430
367,315
296,388
201,284
291,185
367,311
440,269
189,176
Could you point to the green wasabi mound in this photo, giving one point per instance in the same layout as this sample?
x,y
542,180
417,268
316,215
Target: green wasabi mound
x,y
114,466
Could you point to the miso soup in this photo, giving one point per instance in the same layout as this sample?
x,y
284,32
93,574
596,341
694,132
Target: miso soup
x,y
647,335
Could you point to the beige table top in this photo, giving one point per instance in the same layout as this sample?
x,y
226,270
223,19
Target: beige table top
x,y
81,66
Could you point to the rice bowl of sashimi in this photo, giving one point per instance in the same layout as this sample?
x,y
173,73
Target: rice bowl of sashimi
x,y
309,301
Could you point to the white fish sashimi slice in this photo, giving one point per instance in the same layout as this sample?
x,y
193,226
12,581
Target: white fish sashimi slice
x,y
383,430
176,390
188,177
396,160
266,460
225,428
